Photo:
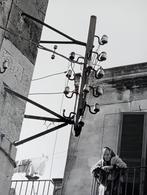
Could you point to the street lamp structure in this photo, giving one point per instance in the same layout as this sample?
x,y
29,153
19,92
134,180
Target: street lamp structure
x,y
81,80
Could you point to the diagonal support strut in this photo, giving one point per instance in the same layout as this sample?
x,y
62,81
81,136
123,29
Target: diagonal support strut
x,y
73,41
35,103
39,134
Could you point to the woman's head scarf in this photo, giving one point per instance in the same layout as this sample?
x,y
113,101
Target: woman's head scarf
x,y
105,163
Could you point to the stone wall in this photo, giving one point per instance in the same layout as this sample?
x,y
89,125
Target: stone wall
x,y
125,90
20,54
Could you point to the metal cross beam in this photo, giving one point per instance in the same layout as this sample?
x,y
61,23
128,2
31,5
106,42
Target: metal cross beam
x,y
73,41
43,118
61,42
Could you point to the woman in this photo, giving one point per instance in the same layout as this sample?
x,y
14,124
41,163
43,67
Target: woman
x,y
110,173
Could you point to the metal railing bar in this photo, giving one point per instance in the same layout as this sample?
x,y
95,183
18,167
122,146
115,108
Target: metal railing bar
x,y
20,188
112,184
26,188
48,188
126,184
38,187
31,188
15,185
119,185
44,188
133,187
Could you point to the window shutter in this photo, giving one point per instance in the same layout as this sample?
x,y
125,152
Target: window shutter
x,y
131,139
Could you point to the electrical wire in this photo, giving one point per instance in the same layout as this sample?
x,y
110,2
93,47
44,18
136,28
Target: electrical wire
x,y
56,136
55,143
56,133
61,103
47,76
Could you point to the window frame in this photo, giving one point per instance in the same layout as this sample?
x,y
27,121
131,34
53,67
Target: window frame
x,y
144,144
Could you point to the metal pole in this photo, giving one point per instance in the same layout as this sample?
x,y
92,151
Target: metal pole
x,y
85,74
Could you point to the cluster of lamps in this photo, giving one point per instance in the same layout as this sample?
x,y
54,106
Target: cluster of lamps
x,y
76,79
72,77
99,73
97,90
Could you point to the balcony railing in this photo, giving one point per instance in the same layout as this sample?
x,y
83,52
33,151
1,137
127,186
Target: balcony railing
x,y
31,187
132,181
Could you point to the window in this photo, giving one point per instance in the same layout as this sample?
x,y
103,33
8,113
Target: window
x,y
131,139
132,149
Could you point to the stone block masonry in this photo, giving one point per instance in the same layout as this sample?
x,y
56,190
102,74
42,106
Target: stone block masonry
x,y
20,56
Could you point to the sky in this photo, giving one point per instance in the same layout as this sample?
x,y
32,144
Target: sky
x,y
124,21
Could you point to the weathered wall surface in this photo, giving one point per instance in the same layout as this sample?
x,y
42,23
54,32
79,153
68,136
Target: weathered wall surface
x,y
125,90
20,56
5,7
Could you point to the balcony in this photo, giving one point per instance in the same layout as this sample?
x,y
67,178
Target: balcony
x,y
31,187
131,182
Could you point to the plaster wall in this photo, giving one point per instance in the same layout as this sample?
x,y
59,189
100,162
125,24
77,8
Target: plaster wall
x,y
103,128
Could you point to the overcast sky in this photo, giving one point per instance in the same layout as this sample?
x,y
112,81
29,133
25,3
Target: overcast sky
x,y
124,21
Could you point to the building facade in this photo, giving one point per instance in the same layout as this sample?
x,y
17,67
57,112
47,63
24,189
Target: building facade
x,y
121,125
17,60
